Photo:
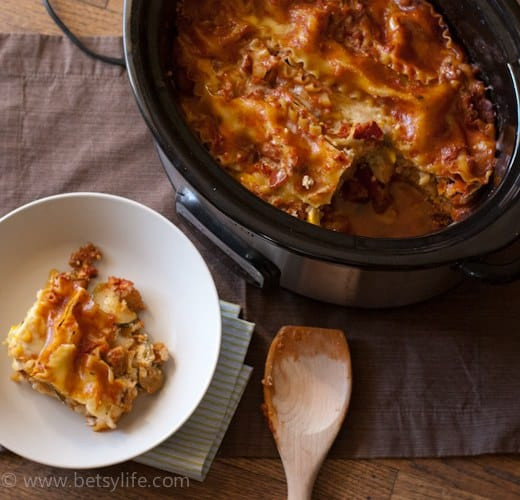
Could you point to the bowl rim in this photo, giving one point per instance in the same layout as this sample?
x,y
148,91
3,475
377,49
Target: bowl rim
x,y
88,195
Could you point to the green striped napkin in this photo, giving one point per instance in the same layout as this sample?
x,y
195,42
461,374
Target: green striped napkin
x,y
191,450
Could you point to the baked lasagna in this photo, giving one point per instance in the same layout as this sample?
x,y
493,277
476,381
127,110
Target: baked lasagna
x,y
89,350
361,116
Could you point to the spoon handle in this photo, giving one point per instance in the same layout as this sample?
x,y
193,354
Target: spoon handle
x,y
300,481
298,489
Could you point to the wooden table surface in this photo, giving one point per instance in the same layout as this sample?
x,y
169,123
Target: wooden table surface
x,y
493,477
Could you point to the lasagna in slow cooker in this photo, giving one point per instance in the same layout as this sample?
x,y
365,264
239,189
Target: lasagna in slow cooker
x,y
89,350
361,116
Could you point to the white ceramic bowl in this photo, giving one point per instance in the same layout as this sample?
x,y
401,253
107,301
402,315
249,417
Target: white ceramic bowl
x,y
182,311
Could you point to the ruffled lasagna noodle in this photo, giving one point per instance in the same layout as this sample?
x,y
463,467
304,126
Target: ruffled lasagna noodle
x,y
89,350
362,116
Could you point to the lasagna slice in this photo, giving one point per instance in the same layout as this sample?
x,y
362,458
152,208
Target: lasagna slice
x,y
87,349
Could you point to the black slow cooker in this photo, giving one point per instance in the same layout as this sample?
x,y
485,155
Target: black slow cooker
x,y
275,249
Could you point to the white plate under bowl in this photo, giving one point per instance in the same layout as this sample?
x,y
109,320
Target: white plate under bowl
x,y
182,311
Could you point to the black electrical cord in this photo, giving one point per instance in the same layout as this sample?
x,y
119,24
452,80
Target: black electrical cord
x,y
77,42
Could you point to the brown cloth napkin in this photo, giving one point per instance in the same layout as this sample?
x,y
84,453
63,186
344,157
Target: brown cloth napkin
x,y
438,378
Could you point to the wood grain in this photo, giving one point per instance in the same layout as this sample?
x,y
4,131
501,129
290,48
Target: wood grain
x,y
493,477
486,477
307,389
85,17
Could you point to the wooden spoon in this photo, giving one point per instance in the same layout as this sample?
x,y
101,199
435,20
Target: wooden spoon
x,y
307,387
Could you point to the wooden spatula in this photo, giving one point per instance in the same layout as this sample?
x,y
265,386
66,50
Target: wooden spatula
x,y
307,387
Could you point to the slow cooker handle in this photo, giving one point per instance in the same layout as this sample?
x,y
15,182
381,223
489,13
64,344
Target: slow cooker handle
x,y
258,270
495,274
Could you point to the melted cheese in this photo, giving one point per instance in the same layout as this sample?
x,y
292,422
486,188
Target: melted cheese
x,y
59,343
286,90
63,345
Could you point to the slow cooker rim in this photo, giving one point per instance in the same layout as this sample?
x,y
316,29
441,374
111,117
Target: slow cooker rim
x,y
283,230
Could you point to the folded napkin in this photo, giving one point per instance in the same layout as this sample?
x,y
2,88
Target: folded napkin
x,y
191,450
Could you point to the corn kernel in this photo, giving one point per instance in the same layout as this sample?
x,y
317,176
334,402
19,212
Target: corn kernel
x,y
314,216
